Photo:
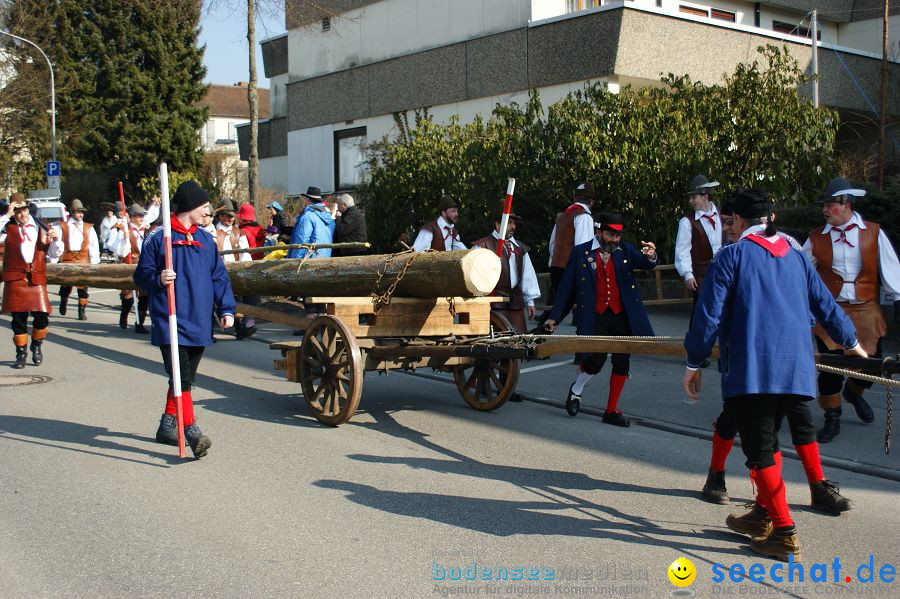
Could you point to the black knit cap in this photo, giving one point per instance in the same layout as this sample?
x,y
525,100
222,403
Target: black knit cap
x,y
188,196
752,203
727,208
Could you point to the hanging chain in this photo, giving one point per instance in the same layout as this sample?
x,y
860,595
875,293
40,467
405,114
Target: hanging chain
x,y
382,299
889,425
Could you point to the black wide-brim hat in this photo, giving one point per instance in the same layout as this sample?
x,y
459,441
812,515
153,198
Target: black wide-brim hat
x,y
752,203
107,206
313,193
609,221
584,191
840,187
701,185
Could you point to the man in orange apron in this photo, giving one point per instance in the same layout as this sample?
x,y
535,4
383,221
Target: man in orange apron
x,y
80,245
854,258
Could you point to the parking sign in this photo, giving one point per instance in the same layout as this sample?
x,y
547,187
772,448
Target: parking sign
x,y
53,169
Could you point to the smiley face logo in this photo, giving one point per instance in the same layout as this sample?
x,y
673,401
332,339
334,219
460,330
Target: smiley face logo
x,y
682,572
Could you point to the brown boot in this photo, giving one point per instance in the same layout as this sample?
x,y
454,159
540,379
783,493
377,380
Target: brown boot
x,y
777,544
755,523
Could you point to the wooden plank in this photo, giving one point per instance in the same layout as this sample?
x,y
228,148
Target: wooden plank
x,y
368,301
553,347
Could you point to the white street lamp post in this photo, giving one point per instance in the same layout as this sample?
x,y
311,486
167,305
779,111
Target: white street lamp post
x,y
52,92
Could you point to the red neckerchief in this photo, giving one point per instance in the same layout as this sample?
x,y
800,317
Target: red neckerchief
x,y
843,234
188,233
779,248
711,218
574,207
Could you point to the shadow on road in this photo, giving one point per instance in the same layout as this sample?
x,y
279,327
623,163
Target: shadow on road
x,y
54,433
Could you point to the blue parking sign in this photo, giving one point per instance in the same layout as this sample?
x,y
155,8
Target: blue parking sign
x,y
53,169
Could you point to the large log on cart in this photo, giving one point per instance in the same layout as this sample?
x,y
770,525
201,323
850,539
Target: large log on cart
x,y
469,273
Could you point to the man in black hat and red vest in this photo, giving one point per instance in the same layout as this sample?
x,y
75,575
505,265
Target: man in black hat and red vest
x,y
441,235
599,277
80,246
518,282
699,235
27,247
123,244
855,259
202,288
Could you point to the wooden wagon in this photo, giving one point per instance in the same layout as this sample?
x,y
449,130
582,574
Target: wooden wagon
x,y
409,333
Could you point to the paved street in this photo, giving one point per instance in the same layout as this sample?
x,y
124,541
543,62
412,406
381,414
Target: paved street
x,y
415,491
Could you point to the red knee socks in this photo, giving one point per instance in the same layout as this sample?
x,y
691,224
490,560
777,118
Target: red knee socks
x,y
187,406
616,384
809,455
772,493
720,451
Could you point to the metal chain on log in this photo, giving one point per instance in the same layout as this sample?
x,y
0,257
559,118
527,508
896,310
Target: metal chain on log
x,y
383,299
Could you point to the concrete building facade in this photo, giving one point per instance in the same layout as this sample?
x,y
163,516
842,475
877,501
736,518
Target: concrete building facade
x,y
343,69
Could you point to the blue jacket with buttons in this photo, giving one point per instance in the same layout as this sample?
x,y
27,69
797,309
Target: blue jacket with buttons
x,y
579,281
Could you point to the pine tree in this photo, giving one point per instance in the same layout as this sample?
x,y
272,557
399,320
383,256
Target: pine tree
x,y
129,78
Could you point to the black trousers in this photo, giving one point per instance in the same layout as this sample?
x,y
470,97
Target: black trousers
x,y
66,291
189,359
831,384
40,320
798,415
759,419
617,325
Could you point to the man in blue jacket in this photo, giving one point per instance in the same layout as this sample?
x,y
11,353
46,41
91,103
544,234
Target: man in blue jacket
x,y
757,299
201,285
314,225
599,276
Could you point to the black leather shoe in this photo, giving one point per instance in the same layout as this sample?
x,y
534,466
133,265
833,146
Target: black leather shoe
x,y
37,357
832,426
826,497
63,305
141,329
516,397
573,403
21,357
616,418
863,409
82,312
705,364
714,489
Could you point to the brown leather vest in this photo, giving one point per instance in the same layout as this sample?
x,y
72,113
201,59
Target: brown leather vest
x,y
701,249
565,236
437,236
14,266
135,251
866,282
235,239
515,299
82,254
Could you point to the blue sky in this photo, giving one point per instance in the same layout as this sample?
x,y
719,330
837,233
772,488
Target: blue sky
x,y
224,31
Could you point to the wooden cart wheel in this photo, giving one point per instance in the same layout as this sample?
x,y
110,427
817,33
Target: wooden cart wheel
x,y
486,384
331,370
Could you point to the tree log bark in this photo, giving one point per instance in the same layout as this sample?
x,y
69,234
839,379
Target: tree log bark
x,y
470,273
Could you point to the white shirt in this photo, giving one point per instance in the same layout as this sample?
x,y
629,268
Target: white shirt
x,y
122,245
106,227
152,214
584,229
76,239
451,243
847,261
683,262
226,245
29,233
530,288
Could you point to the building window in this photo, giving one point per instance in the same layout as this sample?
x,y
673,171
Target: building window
x,y
693,10
349,158
724,15
576,5
791,29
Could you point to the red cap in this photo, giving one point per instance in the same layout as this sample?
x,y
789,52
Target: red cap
x,y
246,212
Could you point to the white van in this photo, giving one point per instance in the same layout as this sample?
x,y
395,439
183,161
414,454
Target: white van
x,y
50,208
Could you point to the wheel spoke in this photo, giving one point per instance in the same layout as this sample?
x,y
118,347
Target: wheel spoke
x,y
331,345
497,382
470,382
312,362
